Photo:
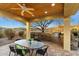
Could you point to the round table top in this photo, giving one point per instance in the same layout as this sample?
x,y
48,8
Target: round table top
x,y
32,45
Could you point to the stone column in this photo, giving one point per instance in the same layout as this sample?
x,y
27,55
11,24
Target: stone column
x,y
28,34
67,36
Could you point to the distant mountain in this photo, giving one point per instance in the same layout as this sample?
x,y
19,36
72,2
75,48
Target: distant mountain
x,y
3,27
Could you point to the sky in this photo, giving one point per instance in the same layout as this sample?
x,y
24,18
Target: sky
x,y
74,20
56,22
11,23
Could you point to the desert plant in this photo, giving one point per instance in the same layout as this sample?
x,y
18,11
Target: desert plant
x,y
1,34
22,34
9,33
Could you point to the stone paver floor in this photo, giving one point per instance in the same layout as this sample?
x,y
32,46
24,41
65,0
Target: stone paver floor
x,y
53,50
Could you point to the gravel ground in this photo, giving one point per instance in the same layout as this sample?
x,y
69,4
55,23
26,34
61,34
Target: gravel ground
x,y
4,41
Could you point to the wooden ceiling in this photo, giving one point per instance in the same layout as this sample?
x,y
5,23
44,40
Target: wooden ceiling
x,y
38,12
59,10
70,9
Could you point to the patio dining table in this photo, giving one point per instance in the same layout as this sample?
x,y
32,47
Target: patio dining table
x,y
32,45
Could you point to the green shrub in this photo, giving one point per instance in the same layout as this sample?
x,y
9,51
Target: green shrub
x,y
9,33
1,34
22,34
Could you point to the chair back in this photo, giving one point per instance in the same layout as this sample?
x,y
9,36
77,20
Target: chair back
x,y
12,48
42,50
20,50
18,39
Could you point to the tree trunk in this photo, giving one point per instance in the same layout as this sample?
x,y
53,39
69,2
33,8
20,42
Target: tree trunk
x,y
43,30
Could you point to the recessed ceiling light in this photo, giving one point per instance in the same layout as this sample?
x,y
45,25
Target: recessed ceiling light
x,y
33,15
45,12
53,4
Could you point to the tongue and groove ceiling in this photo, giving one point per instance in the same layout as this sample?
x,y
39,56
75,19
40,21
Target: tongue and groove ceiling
x,y
58,10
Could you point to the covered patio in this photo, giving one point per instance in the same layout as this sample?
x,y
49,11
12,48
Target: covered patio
x,y
45,11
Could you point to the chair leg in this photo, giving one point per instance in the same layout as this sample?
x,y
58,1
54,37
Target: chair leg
x,y
9,53
36,54
46,54
31,52
15,54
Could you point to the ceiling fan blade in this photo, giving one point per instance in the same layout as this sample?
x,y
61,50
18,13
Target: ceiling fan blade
x,y
22,12
19,5
24,5
30,9
15,8
30,12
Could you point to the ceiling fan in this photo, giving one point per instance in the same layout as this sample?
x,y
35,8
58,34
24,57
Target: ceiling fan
x,y
24,9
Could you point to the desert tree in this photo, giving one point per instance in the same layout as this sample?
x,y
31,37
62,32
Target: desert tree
x,y
41,25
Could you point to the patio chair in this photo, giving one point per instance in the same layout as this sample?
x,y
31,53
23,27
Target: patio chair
x,y
18,39
42,51
37,40
12,49
22,51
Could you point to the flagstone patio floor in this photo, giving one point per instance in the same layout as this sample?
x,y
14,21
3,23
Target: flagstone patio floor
x,y
53,50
